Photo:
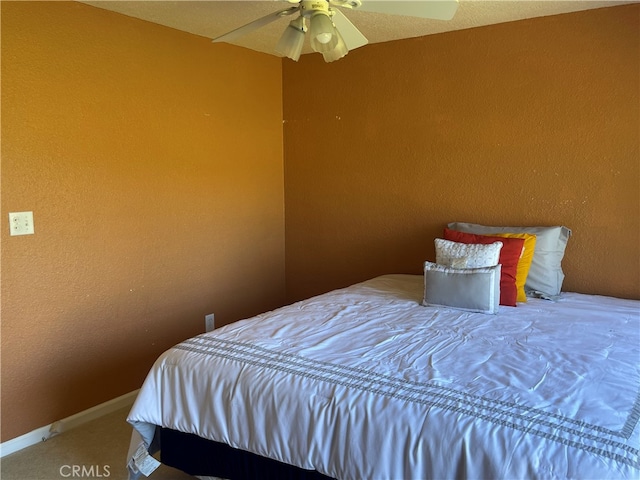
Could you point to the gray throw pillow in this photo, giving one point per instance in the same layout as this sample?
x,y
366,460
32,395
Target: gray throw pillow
x,y
469,289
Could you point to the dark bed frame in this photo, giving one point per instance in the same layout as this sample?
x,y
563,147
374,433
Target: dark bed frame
x,y
198,456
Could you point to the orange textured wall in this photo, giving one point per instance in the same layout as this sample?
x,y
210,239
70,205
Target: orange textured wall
x,y
152,161
527,123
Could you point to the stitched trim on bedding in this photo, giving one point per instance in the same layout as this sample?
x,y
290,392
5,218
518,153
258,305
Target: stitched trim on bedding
x,y
549,425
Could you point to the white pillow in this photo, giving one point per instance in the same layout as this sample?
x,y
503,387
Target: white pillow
x,y
545,274
467,255
468,289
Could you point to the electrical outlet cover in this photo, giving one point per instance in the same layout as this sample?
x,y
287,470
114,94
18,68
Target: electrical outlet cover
x,y
209,322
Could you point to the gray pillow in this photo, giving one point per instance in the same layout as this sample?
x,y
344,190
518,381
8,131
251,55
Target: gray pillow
x,y
469,289
545,275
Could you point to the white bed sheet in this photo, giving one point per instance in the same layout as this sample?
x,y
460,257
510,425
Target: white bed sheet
x,y
365,383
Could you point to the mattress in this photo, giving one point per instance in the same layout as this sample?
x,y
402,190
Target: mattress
x,y
366,383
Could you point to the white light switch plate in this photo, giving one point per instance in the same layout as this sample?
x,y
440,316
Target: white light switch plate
x,y
21,223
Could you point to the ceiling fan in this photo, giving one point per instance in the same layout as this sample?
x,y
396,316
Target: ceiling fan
x,y
330,31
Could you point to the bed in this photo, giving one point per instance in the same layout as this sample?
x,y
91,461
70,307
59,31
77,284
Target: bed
x,y
370,382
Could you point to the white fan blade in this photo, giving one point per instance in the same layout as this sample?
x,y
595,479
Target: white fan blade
x,y
350,34
436,9
250,27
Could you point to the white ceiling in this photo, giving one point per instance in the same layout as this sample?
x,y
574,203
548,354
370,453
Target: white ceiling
x,y
213,18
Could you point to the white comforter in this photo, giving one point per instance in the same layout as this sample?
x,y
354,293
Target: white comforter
x,y
365,383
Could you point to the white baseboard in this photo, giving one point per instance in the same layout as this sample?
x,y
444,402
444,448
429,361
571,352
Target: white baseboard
x,y
42,434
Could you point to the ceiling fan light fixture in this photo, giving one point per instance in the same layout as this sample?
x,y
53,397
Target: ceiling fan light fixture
x,y
324,36
337,53
324,20
292,39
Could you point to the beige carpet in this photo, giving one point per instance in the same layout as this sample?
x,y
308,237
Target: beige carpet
x,y
99,446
